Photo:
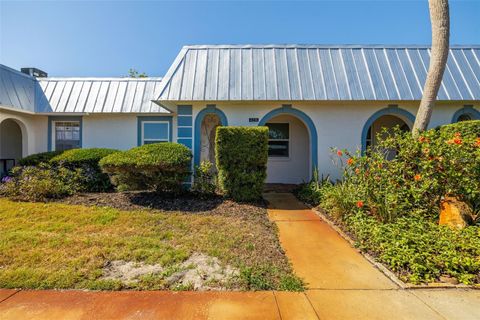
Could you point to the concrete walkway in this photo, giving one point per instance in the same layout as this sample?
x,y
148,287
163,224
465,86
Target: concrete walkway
x,y
343,285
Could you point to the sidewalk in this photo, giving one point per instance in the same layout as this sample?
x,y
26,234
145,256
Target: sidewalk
x,y
343,285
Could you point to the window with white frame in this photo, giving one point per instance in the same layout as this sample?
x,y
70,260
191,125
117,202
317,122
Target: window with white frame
x,y
155,131
67,135
278,140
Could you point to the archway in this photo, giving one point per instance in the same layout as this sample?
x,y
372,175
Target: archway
x,y
11,144
293,145
206,123
385,118
465,114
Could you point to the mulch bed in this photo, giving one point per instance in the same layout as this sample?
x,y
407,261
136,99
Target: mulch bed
x,y
187,203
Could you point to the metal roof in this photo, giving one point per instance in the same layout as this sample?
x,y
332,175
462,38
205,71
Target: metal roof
x,y
17,90
22,92
99,95
316,72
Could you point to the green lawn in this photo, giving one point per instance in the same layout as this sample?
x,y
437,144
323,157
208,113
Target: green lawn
x,y
67,246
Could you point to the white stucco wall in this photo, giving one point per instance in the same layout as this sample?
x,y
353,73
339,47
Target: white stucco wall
x,y
114,131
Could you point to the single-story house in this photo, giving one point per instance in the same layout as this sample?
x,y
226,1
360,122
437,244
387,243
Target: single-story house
x,y
312,97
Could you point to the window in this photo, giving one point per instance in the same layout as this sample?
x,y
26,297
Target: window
x,y
278,140
155,131
67,135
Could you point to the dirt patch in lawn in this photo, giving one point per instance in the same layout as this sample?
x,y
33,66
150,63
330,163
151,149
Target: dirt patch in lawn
x,y
199,272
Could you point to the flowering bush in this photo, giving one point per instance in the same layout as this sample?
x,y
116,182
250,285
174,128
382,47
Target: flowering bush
x,y
389,200
438,163
40,183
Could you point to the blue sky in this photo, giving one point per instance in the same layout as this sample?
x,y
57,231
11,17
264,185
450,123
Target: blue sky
x,y
100,38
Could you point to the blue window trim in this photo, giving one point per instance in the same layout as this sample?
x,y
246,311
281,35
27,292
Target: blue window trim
x,y
390,111
312,130
210,109
52,119
153,118
475,114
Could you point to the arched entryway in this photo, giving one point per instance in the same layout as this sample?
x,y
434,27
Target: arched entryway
x,y
292,146
206,124
11,144
465,114
388,118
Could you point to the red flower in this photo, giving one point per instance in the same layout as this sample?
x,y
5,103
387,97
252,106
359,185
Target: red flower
x,y
417,177
360,204
339,153
457,141
350,161
422,139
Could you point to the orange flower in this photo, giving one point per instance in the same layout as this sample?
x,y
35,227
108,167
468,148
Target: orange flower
x,y
422,139
357,171
457,135
350,161
360,204
477,143
417,177
339,153
457,141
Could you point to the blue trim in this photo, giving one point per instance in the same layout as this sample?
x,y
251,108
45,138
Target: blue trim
x,y
390,111
287,109
184,110
140,119
475,114
210,109
51,119
186,142
184,121
184,132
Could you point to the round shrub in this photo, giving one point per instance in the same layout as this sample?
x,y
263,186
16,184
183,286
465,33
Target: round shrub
x,y
159,166
94,179
37,158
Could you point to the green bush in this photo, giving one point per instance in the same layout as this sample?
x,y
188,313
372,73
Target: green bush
x,y
205,179
465,128
241,156
417,249
160,167
41,183
94,180
37,158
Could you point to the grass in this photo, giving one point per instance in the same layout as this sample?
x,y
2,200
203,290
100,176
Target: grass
x,y
53,245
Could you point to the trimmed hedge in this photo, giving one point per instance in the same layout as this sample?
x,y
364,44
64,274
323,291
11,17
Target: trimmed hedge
x,y
241,156
159,166
87,160
465,128
37,158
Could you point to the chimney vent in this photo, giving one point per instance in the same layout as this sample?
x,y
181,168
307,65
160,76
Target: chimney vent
x,y
34,72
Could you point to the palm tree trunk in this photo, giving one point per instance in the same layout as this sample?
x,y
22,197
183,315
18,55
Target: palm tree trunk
x,y
440,20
